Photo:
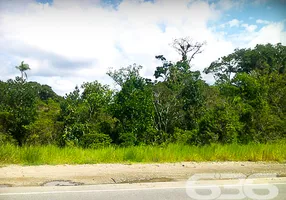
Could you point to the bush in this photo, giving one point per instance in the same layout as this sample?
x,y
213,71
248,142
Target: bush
x,y
95,140
127,139
182,136
73,133
6,139
154,137
42,132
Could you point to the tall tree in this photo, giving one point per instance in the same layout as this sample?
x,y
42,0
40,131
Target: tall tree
x,y
23,68
187,48
180,91
133,105
263,58
18,105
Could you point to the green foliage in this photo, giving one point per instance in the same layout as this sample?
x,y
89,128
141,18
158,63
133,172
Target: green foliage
x,y
168,112
133,105
246,105
23,68
127,139
255,80
95,140
5,138
183,136
218,125
264,59
10,154
86,113
45,129
43,92
17,107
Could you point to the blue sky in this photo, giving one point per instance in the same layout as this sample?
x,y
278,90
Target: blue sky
x,y
68,42
269,11
273,10
45,1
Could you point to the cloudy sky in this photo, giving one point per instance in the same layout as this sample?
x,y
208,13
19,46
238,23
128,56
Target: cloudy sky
x,y
68,42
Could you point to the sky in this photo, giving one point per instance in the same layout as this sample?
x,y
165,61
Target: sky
x,y
69,42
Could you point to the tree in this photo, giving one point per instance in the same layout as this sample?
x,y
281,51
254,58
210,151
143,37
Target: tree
x,y
166,106
23,68
185,46
263,58
253,82
126,73
43,92
164,70
46,129
253,96
18,106
87,113
247,104
180,91
97,99
133,105
173,71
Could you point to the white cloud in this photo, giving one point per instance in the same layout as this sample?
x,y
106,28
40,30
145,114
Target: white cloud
x,y
272,33
72,42
78,31
249,28
231,23
234,22
260,21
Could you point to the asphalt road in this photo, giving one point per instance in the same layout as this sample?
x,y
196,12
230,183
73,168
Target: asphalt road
x,y
150,191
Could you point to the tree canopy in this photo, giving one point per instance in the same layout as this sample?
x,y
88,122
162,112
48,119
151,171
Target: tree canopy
x,y
246,104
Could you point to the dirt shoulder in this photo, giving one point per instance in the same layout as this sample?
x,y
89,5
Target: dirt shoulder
x,y
15,175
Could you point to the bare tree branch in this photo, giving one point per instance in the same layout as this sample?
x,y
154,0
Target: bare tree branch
x,y
185,46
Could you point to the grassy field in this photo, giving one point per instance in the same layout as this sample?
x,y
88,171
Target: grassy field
x,y
33,155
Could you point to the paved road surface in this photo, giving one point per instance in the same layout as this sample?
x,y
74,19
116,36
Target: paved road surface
x,y
150,191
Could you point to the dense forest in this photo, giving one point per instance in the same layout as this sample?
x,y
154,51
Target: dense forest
x,y
247,103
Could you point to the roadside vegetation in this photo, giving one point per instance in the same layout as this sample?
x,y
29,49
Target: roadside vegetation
x,y
52,155
175,117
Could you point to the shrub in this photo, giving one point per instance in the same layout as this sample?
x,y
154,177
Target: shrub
x,y
182,136
6,139
127,139
95,140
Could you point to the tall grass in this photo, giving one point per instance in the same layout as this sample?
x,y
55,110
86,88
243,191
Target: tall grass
x,y
35,155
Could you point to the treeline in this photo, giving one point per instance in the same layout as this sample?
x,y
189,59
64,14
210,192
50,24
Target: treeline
x,y
246,104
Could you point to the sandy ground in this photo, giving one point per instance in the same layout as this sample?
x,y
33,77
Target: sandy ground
x,y
15,175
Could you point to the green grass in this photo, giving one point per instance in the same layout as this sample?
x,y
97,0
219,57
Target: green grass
x,y
52,155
